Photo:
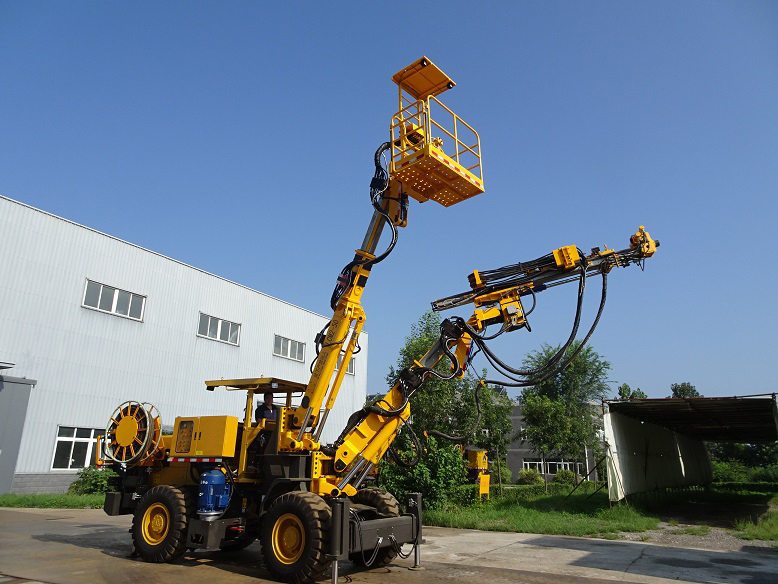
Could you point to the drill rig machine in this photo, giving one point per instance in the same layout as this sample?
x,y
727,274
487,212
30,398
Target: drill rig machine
x,y
221,482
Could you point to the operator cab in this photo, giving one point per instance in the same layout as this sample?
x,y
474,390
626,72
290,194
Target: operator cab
x,y
264,429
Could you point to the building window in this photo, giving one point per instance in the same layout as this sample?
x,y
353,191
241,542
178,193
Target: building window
x,y
75,447
288,348
533,464
552,466
109,299
218,329
350,368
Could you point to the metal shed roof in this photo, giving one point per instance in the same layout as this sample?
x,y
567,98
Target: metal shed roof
x,y
736,419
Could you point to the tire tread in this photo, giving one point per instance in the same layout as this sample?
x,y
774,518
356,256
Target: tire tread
x,y
316,514
179,509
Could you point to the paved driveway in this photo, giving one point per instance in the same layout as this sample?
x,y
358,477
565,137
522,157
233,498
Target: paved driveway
x,y
65,546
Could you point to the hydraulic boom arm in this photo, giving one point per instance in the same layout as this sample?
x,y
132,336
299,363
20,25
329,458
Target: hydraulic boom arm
x,y
497,296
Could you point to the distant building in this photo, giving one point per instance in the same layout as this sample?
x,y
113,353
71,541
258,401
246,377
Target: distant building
x,y
98,321
522,455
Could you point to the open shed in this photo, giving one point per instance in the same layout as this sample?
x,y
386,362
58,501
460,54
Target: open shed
x,y
658,443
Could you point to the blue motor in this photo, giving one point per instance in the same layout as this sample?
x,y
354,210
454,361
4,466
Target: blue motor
x,y
214,495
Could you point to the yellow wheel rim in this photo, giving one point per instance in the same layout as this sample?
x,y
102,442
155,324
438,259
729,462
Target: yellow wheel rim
x,y
288,538
156,523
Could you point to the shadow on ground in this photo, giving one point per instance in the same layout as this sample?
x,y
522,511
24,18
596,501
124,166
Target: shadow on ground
x,y
750,565
716,508
116,543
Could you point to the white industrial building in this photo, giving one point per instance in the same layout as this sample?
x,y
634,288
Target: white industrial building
x,y
97,321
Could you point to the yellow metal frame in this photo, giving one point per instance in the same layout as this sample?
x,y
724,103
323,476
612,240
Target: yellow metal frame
x,y
435,154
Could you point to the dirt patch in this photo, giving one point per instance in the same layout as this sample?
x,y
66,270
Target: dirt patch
x,y
716,538
705,520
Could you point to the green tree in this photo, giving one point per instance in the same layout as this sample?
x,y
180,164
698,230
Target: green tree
x,y
432,406
626,392
751,455
584,380
494,429
448,406
559,412
684,389
547,425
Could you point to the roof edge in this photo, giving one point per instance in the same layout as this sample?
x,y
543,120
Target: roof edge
x,y
160,255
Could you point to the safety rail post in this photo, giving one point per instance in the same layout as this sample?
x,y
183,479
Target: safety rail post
x,y
456,136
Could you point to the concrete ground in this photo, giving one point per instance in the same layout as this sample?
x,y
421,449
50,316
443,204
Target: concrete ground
x,y
65,546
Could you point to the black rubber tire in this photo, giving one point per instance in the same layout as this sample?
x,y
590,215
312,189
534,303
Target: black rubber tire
x,y
385,505
172,541
314,516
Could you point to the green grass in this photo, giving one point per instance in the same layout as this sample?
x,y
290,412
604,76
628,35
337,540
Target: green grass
x,y
53,501
765,527
550,515
531,510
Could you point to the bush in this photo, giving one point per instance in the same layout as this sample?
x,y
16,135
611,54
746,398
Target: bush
x,y
93,481
764,474
438,473
564,477
729,472
529,476
462,496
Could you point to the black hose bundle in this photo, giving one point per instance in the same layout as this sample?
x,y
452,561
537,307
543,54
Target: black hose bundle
x,y
378,187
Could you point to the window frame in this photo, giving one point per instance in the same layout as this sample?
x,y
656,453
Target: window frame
x,y
351,369
221,321
560,464
290,341
114,301
91,443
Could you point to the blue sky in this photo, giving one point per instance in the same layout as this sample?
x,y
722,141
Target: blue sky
x,y
238,137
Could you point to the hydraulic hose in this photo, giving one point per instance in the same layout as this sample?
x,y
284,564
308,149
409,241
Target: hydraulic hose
x,y
534,381
378,187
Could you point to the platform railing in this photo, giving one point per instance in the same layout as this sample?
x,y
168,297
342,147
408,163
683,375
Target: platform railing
x,y
412,129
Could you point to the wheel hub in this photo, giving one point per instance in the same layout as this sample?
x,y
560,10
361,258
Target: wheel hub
x,y
288,538
156,522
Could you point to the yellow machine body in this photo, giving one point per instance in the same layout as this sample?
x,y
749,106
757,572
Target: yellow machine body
x,y
484,482
477,459
208,436
478,470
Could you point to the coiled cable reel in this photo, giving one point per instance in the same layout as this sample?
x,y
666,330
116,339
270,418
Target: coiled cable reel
x,y
133,434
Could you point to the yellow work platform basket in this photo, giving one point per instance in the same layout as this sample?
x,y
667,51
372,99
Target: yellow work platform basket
x,y
435,155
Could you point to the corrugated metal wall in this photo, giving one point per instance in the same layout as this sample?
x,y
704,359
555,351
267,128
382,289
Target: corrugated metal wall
x,y
87,362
